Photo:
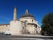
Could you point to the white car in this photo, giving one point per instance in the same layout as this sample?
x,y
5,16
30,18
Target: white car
x,y
7,33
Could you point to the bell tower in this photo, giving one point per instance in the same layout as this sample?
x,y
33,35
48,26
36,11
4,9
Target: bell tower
x,y
15,15
15,25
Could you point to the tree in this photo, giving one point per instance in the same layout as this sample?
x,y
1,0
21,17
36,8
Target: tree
x,y
47,25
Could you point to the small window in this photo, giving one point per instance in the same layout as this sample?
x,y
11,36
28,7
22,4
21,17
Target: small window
x,y
32,20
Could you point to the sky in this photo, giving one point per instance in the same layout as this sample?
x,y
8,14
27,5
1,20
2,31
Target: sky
x,y
38,8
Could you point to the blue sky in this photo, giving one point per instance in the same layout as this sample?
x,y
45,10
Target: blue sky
x,y
38,8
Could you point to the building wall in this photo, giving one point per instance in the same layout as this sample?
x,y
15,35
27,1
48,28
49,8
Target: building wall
x,y
29,20
31,29
3,28
15,27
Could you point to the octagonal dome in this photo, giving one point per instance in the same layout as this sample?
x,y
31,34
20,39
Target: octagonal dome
x,y
27,14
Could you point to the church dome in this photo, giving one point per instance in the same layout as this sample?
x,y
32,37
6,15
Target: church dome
x,y
27,14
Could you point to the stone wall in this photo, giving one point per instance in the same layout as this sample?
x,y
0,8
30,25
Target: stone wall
x,y
3,28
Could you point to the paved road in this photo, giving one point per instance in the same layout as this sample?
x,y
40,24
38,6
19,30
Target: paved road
x,y
7,37
24,39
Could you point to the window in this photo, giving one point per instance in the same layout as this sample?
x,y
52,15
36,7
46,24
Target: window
x,y
35,26
32,20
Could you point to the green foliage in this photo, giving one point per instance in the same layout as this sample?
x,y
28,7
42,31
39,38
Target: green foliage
x,y
47,24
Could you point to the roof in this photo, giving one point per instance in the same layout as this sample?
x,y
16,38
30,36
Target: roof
x,y
4,24
27,14
32,24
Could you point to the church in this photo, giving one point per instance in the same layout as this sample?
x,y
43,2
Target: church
x,y
26,24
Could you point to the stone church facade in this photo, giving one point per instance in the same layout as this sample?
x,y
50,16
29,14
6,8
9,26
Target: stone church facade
x,y
25,25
